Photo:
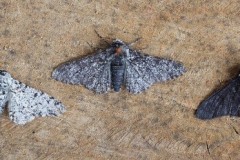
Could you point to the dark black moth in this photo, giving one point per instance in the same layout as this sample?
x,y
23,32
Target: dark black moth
x,y
225,101
116,66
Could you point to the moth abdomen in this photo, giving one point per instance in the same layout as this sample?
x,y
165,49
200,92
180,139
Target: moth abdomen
x,y
117,76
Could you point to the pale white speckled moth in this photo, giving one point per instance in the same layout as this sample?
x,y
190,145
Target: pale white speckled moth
x,y
24,102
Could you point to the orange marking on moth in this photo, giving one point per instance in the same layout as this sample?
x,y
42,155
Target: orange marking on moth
x,y
118,51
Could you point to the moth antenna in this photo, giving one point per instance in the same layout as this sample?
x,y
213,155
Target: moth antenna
x,y
102,37
91,46
135,41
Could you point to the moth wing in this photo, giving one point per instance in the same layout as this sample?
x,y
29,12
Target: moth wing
x,y
26,103
143,70
4,89
92,71
3,100
221,103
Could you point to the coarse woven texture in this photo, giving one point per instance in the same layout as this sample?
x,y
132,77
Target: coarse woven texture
x,y
36,36
139,71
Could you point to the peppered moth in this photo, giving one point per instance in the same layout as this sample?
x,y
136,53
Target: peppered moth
x,y
115,66
224,102
25,103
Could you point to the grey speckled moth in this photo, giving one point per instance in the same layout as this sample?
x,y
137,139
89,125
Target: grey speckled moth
x,y
116,66
25,103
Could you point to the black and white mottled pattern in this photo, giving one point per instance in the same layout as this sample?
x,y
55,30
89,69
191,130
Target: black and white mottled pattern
x,y
25,103
135,70
222,103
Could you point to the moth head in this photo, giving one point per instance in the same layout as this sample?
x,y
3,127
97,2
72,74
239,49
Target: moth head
x,y
119,46
4,74
118,43
5,79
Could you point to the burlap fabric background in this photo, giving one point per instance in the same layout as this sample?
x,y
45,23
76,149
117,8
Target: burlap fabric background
x,y
36,36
